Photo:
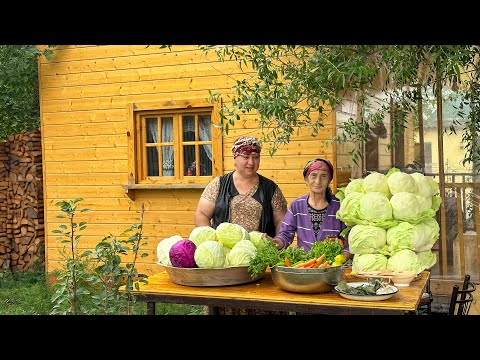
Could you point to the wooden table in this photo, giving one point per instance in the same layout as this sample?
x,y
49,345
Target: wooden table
x,y
263,294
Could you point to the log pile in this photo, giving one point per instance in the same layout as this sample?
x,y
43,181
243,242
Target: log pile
x,y
4,237
22,237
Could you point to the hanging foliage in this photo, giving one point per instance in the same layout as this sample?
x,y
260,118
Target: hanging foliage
x,y
19,102
289,84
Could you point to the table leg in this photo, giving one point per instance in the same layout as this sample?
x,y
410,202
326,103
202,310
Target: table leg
x,y
150,308
215,310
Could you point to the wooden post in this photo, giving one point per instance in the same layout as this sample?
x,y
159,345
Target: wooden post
x,y
441,175
420,129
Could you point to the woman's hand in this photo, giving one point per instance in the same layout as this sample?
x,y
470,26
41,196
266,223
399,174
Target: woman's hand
x,y
278,243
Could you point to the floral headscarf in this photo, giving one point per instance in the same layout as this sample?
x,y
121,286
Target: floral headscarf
x,y
246,145
316,164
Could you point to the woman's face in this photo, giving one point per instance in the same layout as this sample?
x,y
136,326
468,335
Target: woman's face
x,y
318,181
247,165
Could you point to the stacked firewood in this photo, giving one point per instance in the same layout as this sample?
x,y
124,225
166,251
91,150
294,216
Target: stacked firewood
x,y
4,238
22,246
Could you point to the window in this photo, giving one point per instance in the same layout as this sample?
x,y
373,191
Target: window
x,y
174,143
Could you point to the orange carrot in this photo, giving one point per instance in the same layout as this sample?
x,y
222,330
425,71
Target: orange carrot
x,y
305,264
310,262
287,262
320,259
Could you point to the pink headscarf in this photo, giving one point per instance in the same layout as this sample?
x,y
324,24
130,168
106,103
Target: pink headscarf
x,y
245,145
317,164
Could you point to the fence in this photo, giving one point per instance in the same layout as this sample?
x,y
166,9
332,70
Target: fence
x,y
458,248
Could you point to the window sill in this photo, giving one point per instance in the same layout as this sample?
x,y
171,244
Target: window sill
x,y
130,189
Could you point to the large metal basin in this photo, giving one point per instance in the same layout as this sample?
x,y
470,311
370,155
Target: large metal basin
x,y
234,275
307,280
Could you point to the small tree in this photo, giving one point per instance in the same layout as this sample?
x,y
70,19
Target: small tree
x,y
89,283
110,272
73,278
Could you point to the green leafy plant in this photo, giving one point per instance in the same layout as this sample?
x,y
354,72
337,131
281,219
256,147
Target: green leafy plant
x,y
109,274
89,282
72,279
133,278
112,275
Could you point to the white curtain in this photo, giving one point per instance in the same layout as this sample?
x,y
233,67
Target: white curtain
x,y
167,151
205,132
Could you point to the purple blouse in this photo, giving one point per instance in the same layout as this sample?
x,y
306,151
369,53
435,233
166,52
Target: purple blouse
x,y
298,221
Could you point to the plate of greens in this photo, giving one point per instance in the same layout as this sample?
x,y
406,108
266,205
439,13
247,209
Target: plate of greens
x,y
373,290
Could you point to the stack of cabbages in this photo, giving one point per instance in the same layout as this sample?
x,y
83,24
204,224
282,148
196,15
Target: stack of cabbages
x,y
392,221
227,245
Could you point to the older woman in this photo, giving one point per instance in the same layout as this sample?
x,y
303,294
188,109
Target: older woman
x,y
243,196
312,216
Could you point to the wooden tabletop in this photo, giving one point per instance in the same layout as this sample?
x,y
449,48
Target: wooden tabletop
x,y
264,294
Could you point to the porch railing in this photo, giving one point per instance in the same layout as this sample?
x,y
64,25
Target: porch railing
x,y
458,248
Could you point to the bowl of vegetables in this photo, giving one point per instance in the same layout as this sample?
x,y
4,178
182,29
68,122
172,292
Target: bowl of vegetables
x,y
297,270
225,276
307,280
207,264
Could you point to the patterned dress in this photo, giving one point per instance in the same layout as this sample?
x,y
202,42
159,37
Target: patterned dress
x,y
246,212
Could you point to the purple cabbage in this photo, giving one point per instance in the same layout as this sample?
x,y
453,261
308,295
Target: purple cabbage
x,y
182,254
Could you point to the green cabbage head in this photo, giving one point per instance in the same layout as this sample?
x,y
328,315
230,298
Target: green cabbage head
x,y
366,239
210,254
424,185
202,233
405,236
375,207
401,182
377,182
355,185
258,239
424,202
368,262
241,253
229,234
349,211
340,194
406,207
163,249
427,259
431,233
404,260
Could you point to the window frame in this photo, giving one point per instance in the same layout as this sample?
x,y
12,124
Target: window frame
x,y
136,165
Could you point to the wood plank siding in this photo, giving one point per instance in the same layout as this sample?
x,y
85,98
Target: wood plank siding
x,y
86,95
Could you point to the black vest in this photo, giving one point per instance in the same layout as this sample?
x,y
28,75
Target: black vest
x,y
264,195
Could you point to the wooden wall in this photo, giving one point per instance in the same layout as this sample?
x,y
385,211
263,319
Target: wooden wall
x,y
85,93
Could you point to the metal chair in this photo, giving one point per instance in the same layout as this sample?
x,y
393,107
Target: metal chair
x,y
461,299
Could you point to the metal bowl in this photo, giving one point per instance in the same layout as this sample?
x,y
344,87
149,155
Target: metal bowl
x,y
307,280
233,275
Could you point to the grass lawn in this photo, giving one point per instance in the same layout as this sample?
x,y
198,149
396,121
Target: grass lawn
x,y
28,294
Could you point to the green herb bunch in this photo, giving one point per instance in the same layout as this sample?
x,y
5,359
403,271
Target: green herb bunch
x,y
330,248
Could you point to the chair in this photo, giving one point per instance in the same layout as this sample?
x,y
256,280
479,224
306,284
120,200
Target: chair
x,y
461,299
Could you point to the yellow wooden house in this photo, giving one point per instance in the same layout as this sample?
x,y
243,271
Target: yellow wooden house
x,y
126,125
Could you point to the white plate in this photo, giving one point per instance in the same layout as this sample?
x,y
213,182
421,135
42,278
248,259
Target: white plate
x,y
393,291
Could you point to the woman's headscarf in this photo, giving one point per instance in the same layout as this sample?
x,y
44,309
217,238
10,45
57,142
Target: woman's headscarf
x,y
316,164
246,145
